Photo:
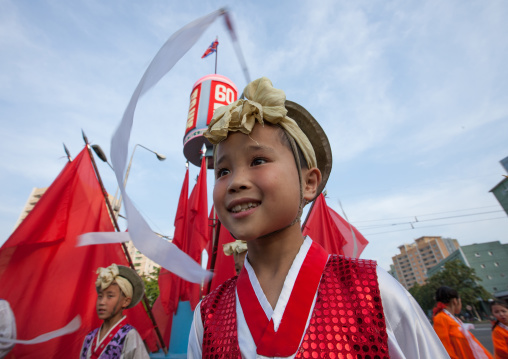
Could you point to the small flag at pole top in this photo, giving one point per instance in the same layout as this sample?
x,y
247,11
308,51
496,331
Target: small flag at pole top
x,y
211,49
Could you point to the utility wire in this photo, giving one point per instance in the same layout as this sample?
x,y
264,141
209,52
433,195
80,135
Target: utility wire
x,y
426,220
437,225
423,215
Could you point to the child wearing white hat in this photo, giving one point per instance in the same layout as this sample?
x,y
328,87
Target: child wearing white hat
x,y
118,288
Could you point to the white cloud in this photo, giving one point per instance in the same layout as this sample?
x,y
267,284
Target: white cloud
x,y
412,96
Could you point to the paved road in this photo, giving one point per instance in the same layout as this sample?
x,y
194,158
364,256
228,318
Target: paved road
x,y
483,333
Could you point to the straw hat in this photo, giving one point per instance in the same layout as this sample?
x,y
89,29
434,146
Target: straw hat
x,y
138,286
317,138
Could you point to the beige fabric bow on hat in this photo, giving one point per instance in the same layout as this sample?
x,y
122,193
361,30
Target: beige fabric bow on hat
x,y
234,247
108,275
263,103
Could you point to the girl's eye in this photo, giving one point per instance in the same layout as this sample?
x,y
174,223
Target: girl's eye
x,y
221,172
258,161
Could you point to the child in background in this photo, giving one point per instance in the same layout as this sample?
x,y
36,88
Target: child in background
x,y
499,309
292,299
455,335
118,288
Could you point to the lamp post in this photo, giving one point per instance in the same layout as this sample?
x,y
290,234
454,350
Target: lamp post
x,y
98,150
159,157
118,203
100,153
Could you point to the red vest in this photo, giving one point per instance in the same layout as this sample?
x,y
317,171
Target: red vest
x,y
347,321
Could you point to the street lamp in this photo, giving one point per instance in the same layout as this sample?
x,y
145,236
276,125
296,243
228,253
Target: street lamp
x,y
100,153
159,157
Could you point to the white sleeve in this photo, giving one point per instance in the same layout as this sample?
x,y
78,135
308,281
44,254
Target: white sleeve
x,y
194,348
410,334
7,327
134,347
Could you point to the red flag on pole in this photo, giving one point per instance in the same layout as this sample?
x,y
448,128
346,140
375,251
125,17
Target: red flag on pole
x,y
169,284
330,230
198,230
164,320
47,279
224,266
351,234
211,49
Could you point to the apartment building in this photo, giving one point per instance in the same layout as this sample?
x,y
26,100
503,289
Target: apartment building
x,y
411,265
144,265
34,197
489,260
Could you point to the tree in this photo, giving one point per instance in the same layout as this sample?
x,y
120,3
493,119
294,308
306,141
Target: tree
x,y
152,285
456,275
424,295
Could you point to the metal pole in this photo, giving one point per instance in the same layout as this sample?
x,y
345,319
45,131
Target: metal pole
x,y
216,54
118,203
124,246
217,226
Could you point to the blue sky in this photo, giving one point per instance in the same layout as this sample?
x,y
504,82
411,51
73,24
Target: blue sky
x,y
413,96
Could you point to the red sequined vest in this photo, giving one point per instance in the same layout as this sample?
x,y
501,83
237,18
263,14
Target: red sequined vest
x,y
347,321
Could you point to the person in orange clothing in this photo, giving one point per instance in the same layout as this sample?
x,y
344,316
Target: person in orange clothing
x,y
499,309
454,334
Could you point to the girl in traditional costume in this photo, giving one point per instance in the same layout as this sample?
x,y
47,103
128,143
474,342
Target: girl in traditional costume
x,y
292,299
499,309
455,335
118,288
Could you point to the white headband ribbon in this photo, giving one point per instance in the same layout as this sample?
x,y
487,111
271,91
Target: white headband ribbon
x,y
111,274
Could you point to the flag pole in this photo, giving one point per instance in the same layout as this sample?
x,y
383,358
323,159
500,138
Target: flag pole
x,y
216,53
216,225
124,246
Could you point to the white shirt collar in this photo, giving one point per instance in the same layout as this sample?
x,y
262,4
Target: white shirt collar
x,y
277,313
109,331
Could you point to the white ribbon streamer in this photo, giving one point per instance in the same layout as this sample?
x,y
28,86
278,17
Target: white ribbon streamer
x,y
69,328
464,328
92,238
157,249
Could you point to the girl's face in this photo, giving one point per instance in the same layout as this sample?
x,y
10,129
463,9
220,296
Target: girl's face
x,y
257,188
500,313
457,305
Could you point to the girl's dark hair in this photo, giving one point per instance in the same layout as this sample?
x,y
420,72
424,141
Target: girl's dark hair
x,y
446,294
500,302
443,296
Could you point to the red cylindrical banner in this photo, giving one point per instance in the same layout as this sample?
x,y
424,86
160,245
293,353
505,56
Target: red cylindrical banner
x,y
208,93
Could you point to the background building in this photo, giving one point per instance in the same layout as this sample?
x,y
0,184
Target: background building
x,y
144,265
415,259
30,204
489,260
500,191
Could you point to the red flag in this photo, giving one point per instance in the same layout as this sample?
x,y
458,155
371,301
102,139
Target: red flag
x,y
224,266
198,230
347,230
211,49
330,230
169,284
164,321
47,279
